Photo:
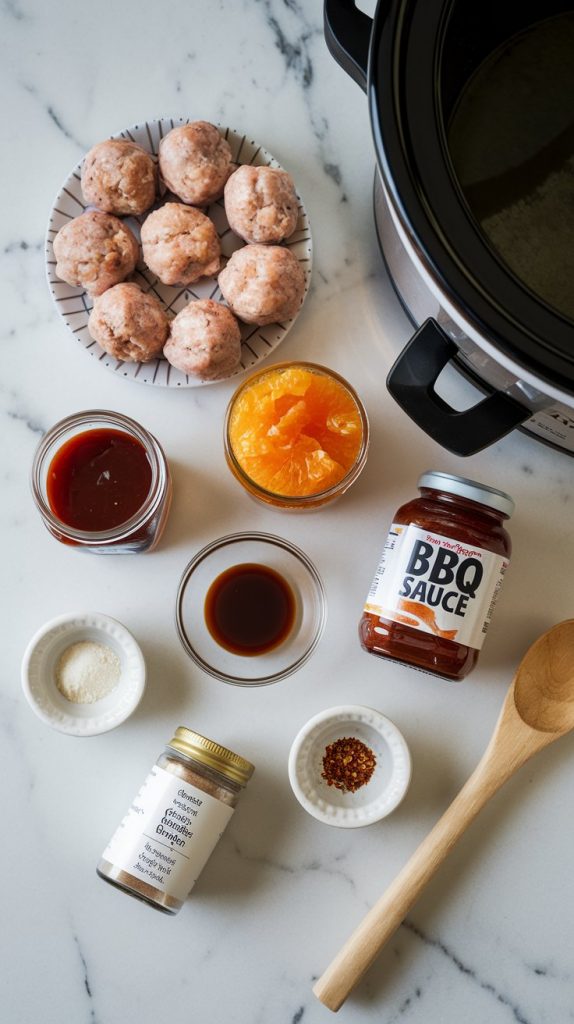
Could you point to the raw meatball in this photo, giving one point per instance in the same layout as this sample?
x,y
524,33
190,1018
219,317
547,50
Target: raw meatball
x,y
263,284
119,177
180,244
261,204
195,162
129,324
95,251
204,341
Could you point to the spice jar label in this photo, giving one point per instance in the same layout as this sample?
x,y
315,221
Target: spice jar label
x,y
436,584
168,833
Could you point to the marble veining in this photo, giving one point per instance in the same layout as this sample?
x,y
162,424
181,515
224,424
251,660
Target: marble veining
x,y
86,977
31,424
491,940
53,115
295,42
311,865
465,970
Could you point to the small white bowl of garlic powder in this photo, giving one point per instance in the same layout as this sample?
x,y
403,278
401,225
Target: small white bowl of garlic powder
x,y
83,674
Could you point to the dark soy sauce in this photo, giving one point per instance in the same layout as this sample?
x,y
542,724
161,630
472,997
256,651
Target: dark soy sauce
x,y
250,609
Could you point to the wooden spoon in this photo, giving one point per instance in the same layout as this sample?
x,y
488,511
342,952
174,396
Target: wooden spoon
x,y
538,709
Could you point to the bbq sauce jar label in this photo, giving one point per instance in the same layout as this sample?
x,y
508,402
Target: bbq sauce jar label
x,y
437,585
168,833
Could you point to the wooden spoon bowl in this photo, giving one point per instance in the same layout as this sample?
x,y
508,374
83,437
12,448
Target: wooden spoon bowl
x,y
538,709
544,683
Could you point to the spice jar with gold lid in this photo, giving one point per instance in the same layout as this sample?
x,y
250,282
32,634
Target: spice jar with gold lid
x,y
175,821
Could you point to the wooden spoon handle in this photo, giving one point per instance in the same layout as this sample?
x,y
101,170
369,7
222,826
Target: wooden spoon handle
x,y
381,922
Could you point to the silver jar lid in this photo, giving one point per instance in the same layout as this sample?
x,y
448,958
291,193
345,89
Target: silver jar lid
x,y
469,489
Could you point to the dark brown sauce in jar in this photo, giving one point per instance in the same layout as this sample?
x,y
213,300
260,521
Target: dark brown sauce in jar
x,y
250,609
439,576
98,479
102,483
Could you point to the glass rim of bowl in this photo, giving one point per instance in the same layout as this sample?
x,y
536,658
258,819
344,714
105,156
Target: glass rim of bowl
x,y
313,575
305,500
106,416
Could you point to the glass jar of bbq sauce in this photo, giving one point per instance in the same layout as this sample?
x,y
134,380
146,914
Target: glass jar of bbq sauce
x,y
439,576
101,482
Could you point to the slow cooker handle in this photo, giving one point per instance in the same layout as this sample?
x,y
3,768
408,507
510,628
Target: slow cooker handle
x,y
348,35
411,382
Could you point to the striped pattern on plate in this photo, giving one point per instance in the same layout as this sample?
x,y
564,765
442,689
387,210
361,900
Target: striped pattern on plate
x,y
74,304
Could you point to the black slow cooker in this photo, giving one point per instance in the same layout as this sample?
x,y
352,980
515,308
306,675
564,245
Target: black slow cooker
x,y
472,305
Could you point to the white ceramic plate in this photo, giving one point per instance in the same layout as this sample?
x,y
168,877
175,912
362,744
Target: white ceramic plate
x,y
74,304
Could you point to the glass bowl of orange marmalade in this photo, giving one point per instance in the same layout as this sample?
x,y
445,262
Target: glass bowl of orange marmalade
x,y
296,435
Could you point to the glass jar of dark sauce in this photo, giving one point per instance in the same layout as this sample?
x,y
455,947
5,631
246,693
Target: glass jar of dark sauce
x,y
439,576
101,482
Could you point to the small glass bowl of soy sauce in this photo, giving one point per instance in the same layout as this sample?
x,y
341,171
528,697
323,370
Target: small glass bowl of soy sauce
x,y
251,609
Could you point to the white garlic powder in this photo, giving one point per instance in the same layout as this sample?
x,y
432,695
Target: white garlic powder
x,y
87,671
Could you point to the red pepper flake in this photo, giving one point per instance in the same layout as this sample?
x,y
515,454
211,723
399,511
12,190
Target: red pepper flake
x,y
348,764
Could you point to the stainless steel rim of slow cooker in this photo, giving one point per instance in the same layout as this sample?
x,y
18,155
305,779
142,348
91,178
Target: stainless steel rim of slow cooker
x,y
413,377
550,360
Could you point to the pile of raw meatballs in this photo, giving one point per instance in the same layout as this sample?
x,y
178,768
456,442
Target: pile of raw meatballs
x,y
262,283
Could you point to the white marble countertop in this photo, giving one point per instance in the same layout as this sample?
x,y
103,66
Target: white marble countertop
x,y
492,939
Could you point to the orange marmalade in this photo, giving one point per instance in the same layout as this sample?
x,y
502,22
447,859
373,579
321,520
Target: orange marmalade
x,y
439,576
296,435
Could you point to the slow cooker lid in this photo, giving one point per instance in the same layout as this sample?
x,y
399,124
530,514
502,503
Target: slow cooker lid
x,y
409,92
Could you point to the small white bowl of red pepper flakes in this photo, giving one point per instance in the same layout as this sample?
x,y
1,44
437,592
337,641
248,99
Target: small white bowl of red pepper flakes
x,y
349,766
